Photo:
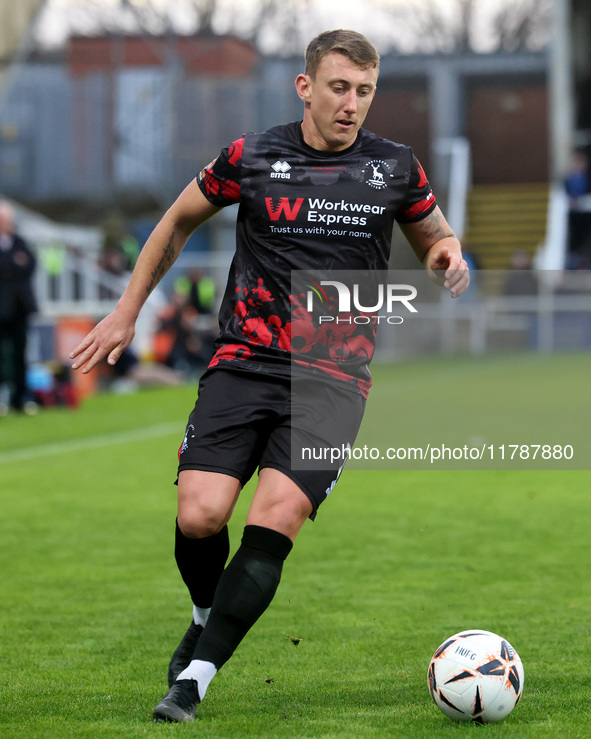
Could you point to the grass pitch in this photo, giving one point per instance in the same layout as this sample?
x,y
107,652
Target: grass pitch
x,y
92,604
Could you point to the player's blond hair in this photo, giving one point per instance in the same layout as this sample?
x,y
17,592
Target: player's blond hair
x,y
355,46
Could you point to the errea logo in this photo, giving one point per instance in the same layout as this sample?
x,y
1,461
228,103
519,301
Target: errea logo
x,y
280,171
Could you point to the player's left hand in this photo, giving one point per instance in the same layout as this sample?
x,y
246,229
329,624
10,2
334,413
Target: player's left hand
x,y
449,269
109,338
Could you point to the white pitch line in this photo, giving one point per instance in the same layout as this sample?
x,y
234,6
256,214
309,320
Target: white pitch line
x,y
90,442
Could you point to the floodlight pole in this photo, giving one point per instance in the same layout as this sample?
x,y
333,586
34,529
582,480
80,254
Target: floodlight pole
x,y
561,88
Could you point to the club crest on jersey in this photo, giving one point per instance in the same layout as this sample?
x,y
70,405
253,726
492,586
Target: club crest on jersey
x,y
280,171
380,173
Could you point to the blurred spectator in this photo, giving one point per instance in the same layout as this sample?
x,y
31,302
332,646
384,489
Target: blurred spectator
x,y
114,262
121,247
201,292
578,188
17,302
578,183
182,341
130,247
52,385
53,260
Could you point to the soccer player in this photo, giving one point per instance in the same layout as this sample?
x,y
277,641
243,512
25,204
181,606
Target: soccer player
x,y
287,181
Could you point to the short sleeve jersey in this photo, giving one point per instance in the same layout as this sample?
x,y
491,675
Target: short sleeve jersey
x,y
304,209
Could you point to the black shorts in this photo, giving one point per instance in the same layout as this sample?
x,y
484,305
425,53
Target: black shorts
x,y
243,421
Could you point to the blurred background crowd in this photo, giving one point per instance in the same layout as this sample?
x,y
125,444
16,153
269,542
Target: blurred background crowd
x,y
109,107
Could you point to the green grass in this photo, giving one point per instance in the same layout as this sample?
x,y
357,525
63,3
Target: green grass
x,y
507,400
92,605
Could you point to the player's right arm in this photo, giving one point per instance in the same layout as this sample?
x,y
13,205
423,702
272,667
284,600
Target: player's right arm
x,y
115,333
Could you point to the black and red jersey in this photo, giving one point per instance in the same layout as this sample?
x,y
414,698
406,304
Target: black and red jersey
x,y
304,209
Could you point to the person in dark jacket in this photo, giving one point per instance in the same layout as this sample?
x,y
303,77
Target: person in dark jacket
x,y
17,303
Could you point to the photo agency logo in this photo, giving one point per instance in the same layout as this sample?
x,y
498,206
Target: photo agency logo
x,y
350,307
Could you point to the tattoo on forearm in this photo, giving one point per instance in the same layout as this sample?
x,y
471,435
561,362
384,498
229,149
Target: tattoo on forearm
x,y
168,256
434,227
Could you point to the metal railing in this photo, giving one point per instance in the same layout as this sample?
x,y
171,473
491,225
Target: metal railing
x,y
556,318
76,285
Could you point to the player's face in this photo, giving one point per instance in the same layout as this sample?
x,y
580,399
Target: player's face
x,y
336,102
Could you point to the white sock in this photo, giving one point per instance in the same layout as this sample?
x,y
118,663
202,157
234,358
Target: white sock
x,y
203,672
200,615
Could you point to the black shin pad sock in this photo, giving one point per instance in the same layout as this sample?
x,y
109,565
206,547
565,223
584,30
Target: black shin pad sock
x,y
201,563
244,592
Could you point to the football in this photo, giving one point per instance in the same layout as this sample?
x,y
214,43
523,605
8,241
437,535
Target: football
x,y
476,676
